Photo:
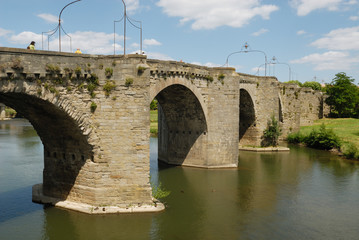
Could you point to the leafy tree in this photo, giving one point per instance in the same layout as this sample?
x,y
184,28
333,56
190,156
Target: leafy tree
x,y
295,82
312,85
153,105
271,133
343,96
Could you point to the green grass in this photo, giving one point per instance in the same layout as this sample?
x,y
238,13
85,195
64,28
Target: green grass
x,y
347,129
154,122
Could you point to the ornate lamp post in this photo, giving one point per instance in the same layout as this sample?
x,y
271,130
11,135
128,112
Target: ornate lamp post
x,y
60,23
247,50
125,17
275,61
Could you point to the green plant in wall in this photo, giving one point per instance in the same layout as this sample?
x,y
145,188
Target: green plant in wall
x,y
108,72
128,82
100,66
159,192
209,78
78,70
221,78
108,87
93,107
92,84
53,69
141,69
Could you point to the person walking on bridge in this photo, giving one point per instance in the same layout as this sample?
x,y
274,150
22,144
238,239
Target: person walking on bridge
x,y
31,46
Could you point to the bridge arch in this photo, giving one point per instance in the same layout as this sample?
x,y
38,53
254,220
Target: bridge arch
x,y
247,119
182,124
68,140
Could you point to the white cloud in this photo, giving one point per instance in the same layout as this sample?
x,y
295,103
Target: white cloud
x,y
211,14
332,60
354,18
49,17
151,42
89,42
260,32
304,7
4,32
160,56
301,32
340,39
132,5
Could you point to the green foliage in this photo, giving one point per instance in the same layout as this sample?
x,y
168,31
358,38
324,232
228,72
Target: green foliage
x,y
271,133
209,78
153,105
128,82
159,192
322,139
141,69
93,107
343,97
295,138
108,72
295,82
9,112
78,70
54,69
312,85
108,87
350,151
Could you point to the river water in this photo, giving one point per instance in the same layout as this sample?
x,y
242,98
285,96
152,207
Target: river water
x,y
304,194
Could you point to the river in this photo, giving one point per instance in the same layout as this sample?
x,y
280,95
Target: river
x,y
303,194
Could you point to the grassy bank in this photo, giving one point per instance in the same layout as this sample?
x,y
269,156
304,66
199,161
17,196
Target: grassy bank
x,y
341,134
347,129
154,123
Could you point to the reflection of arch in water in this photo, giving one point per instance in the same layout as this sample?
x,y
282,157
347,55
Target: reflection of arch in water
x,y
247,119
182,126
66,143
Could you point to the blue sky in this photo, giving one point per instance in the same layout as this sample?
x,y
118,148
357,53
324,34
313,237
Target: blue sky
x,y
315,39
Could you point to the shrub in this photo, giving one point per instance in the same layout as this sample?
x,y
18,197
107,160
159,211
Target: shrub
x,y
78,70
108,87
322,139
350,151
108,72
271,133
128,82
141,69
159,192
295,138
93,107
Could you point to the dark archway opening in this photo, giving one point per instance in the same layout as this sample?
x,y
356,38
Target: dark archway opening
x,y
65,147
182,126
247,119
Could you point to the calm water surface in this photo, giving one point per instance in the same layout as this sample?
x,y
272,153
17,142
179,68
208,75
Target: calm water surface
x,y
304,194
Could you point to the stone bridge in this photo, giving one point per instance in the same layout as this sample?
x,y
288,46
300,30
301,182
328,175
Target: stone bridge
x,y
92,114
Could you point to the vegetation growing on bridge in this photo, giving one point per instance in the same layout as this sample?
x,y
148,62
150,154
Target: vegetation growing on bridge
x,y
108,87
271,133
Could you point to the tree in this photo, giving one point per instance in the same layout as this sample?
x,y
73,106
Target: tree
x,y
343,96
271,133
312,85
295,82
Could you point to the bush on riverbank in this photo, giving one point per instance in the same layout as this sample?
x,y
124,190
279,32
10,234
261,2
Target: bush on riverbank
x,y
325,139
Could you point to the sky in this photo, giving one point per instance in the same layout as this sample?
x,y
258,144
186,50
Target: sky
x,y
305,40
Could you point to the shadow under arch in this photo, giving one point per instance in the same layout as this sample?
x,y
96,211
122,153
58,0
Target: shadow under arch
x,y
247,119
182,127
66,147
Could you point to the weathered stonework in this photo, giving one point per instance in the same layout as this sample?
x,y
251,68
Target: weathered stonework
x,y
92,115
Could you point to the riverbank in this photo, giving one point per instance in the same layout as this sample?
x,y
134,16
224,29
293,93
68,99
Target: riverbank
x,y
346,129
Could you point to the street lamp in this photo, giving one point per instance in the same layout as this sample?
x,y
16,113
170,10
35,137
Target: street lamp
x,y
246,50
275,61
61,27
124,18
